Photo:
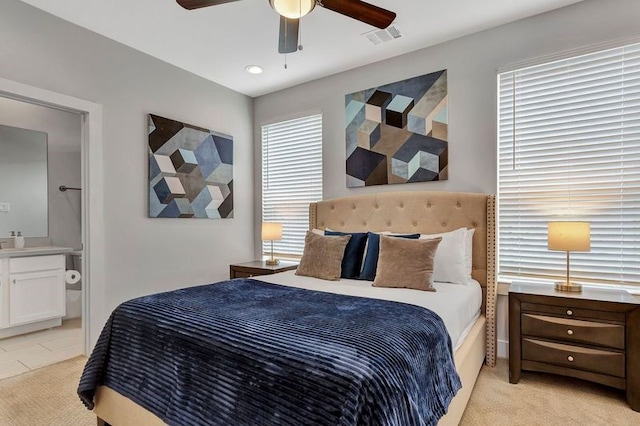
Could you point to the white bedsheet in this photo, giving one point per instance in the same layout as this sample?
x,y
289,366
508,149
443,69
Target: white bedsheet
x,y
458,305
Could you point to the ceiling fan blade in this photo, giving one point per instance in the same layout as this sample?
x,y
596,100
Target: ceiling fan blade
x,y
288,42
197,4
364,12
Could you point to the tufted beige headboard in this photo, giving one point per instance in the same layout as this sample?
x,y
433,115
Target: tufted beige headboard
x,y
424,212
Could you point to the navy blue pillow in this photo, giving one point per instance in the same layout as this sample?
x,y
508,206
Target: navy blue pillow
x,y
353,253
370,266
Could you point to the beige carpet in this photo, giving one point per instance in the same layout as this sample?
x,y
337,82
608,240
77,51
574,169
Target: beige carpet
x,y
544,399
48,397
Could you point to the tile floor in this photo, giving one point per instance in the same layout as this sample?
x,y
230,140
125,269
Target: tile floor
x,y
26,352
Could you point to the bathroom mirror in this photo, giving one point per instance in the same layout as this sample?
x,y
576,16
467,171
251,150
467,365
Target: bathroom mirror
x,y
23,182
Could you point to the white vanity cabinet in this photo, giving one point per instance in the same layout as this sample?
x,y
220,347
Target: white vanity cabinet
x,y
32,291
36,288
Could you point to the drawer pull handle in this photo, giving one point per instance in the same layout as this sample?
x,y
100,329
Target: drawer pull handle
x,y
570,358
569,312
570,332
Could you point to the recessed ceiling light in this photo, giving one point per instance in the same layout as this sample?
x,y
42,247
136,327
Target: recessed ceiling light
x,y
254,69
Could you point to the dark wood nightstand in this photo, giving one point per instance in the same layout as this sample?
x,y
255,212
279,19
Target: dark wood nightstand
x,y
259,267
593,335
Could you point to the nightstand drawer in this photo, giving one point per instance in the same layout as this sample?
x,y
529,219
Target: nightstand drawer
x,y
573,312
595,360
571,330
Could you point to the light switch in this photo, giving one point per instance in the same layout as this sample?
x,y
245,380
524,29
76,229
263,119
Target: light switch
x,y
5,207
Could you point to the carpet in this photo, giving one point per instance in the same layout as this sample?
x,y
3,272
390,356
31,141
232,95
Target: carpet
x,y
544,399
46,396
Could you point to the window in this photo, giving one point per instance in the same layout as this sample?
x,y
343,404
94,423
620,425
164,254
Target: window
x,y
291,179
569,149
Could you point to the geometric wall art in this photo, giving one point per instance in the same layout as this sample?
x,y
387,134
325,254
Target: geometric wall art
x,y
190,171
397,133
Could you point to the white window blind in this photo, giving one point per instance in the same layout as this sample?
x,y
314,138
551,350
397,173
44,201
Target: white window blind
x,y
291,178
569,149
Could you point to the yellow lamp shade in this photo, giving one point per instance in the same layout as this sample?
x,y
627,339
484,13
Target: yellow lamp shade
x,y
271,231
569,236
293,9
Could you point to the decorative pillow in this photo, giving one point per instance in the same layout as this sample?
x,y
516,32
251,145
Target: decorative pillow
x,y
406,263
322,256
468,250
370,265
450,261
352,260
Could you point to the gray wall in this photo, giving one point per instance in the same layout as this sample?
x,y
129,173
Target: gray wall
x,y
142,255
472,63
65,208
63,131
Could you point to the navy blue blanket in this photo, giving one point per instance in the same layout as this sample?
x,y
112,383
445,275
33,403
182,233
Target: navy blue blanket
x,y
245,352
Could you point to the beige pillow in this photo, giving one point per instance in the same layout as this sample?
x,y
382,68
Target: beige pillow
x,y
406,263
322,256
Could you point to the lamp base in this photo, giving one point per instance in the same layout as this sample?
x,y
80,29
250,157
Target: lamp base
x,y
272,262
568,286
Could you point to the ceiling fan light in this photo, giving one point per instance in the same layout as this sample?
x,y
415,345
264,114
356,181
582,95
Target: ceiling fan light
x,y
293,9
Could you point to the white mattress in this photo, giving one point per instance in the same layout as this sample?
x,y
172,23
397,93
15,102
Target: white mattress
x,y
458,305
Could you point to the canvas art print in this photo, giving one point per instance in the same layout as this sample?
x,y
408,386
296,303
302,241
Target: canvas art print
x,y
190,171
397,133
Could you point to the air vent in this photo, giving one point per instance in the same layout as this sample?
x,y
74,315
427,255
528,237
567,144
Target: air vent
x,y
383,36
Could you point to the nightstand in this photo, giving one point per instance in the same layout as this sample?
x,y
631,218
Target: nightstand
x,y
593,335
258,267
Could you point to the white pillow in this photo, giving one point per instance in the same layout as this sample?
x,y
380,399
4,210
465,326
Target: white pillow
x,y
468,250
450,262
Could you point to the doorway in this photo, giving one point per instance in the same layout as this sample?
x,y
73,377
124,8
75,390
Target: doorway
x,y
90,198
40,184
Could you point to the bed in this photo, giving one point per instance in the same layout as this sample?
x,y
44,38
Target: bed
x,y
402,212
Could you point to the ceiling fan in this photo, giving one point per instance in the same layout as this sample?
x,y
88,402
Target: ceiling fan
x,y
291,11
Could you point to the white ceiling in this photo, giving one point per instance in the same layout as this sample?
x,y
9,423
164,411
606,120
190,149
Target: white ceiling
x,y
218,42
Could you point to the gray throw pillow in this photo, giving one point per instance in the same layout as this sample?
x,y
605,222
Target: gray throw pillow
x,y
406,263
322,256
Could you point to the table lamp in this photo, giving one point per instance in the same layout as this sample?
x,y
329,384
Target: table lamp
x,y
569,236
271,231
